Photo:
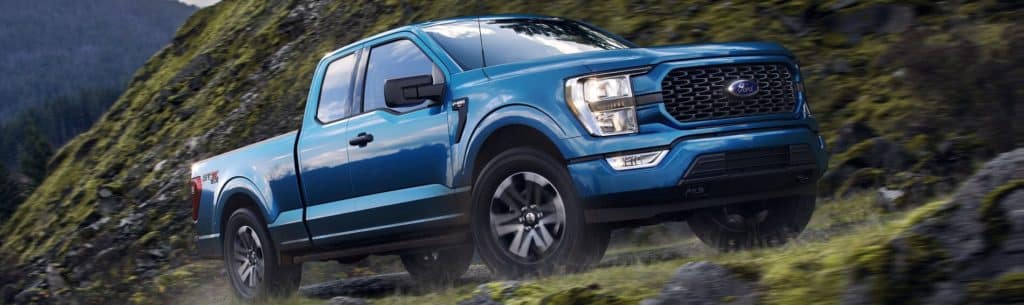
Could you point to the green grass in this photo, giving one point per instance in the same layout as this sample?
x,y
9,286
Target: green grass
x,y
810,270
239,35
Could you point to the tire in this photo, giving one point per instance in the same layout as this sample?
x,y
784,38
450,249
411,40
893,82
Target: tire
x,y
438,267
252,262
525,200
751,225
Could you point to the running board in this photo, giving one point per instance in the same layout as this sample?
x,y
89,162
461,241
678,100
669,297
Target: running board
x,y
449,239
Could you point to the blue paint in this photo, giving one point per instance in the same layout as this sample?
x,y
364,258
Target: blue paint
x,y
315,190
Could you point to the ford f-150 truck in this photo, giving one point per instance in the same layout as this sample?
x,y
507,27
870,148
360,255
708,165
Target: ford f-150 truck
x,y
522,139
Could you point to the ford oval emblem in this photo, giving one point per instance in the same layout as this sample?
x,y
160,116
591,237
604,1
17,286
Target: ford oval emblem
x,y
742,88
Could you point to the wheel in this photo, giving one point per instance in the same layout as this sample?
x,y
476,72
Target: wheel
x,y
756,224
527,219
252,262
441,266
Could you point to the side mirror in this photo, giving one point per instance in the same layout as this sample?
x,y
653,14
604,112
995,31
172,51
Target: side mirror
x,y
408,91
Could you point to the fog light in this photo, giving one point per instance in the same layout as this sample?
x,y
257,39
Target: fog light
x,y
635,161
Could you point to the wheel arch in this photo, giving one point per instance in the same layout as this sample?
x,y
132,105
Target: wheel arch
x,y
236,194
508,127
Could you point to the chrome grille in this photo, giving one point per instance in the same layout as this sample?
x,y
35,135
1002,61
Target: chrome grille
x,y
697,94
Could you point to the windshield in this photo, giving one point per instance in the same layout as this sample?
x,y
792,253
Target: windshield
x,y
514,40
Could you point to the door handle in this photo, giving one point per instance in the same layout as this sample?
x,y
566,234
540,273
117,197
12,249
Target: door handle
x,y
361,139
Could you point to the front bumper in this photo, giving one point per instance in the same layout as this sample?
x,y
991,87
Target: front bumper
x,y
701,171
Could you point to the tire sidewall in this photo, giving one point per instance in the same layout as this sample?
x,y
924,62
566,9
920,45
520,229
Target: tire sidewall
x,y
239,218
776,230
492,252
452,263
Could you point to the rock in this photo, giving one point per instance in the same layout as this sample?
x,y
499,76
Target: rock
x,y
159,165
109,254
378,285
705,283
108,206
192,144
484,294
54,279
838,66
850,134
881,18
887,198
966,243
95,226
157,253
105,193
841,4
346,301
590,295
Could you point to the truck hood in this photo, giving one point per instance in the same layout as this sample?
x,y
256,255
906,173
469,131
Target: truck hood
x,y
608,60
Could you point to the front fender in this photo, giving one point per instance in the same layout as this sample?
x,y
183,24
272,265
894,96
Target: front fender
x,y
510,115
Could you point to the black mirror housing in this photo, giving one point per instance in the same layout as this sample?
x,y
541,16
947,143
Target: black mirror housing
x,y
411,90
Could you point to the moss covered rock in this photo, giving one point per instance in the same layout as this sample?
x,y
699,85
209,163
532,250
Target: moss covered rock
x,y
958,254
702,283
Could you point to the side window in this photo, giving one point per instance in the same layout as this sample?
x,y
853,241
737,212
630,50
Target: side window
x,y
336,91
397,59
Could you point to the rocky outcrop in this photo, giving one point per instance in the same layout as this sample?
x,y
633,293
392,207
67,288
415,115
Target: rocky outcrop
x,y
346,301
970,250
513,292
705,283
383,284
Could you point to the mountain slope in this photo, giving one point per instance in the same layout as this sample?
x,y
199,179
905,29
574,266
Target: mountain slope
x,y
113,214
55,48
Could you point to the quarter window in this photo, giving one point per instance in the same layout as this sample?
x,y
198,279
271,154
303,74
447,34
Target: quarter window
x,y
336,91
397,59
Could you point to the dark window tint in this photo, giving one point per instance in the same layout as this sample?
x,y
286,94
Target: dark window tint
x,y
462,42
336,91
397,59
514,40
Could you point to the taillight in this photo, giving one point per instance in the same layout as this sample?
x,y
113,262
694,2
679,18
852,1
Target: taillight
x,y
197,195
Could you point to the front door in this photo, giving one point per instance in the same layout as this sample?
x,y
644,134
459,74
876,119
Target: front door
x,y
397,156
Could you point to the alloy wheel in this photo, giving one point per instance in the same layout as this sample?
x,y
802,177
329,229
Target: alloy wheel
x,y
527,216
247,256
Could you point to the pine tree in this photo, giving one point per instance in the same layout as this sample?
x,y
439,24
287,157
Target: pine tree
x,y
10,194
35,153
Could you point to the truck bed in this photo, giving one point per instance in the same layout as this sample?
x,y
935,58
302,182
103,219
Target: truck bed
x,y
265,169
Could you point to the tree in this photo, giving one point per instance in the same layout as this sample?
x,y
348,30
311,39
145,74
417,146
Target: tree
x,y
10,194
35,153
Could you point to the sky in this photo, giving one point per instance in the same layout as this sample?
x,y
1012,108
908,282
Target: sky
x,y
200,3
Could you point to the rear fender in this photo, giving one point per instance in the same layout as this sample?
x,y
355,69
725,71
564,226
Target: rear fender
x,y
241,185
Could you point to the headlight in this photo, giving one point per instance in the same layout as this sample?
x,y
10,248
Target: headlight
x,y
603,103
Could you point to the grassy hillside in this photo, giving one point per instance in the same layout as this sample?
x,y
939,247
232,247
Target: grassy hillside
x,y
112,215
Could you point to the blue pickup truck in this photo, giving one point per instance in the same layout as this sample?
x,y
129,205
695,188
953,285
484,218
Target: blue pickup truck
x,y
521,139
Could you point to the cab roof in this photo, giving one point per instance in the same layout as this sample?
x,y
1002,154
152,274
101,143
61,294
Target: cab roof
x,y
425,24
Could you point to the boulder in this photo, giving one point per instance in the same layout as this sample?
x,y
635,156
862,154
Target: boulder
x,y
485,293
969,250
881,18
54,280
850,134
887,198
705,283
346,301
590,295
